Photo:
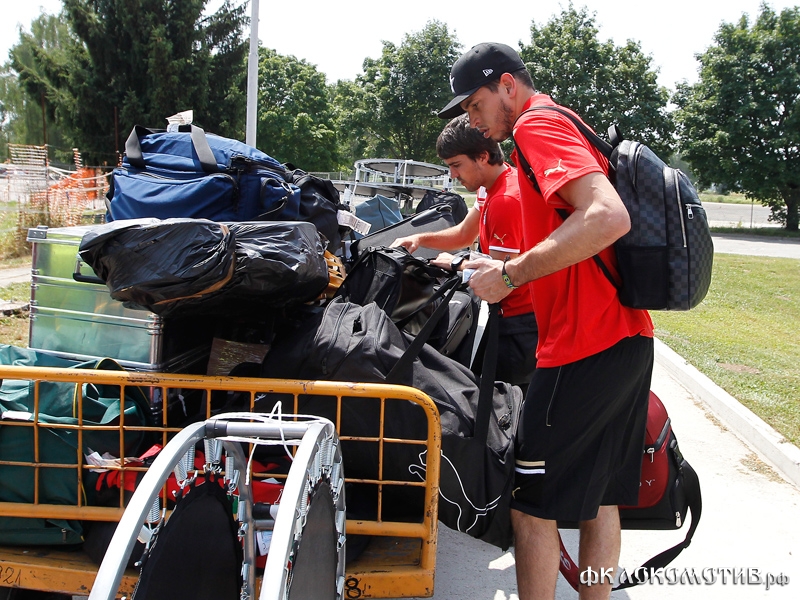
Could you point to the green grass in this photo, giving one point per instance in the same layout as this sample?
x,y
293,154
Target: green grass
x,y
14,329
744,336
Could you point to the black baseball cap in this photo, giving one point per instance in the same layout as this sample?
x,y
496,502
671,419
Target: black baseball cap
x,y
475,68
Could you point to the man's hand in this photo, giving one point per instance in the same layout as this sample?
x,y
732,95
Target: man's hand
x,y
443,261
410,243
487,279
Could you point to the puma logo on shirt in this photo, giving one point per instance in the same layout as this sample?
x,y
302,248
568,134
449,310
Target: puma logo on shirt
x,y
557,169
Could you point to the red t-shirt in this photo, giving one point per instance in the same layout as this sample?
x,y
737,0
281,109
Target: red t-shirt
x,y
501,230
577,308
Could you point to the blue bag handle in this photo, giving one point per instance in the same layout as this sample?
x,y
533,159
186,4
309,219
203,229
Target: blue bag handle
x,y
133,149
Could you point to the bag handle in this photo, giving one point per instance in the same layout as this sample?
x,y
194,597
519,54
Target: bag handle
x,y
439,293
133,148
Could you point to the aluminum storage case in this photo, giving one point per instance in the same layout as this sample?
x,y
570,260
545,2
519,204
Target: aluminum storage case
x,y
75,317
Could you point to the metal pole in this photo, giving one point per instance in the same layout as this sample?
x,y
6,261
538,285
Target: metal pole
x,y
252,77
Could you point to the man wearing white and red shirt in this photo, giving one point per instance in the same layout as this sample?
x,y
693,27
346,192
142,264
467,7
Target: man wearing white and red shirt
x,y
496,221
581,433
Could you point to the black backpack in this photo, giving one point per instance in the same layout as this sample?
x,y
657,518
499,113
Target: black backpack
x,y
666,258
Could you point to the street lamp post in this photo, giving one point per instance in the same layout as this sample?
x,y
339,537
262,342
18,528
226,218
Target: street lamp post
x,y
252,77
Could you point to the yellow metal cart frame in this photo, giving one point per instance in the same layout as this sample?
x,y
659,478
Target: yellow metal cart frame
x,y
398,563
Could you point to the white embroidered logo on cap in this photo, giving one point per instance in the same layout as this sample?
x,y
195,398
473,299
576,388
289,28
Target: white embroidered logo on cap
x,y
488,72
452,82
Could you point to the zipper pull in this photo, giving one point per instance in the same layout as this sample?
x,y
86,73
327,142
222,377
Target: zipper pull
x,y
689,212
678,520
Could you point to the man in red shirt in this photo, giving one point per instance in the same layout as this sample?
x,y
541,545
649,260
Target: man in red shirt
x,y
581,434
496,221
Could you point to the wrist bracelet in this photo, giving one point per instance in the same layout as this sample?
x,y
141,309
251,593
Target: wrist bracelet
x,y
506,278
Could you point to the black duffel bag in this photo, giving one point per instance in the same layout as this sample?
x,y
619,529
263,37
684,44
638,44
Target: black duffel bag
x,y
348,342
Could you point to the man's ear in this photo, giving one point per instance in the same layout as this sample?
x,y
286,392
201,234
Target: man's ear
x,y
508,84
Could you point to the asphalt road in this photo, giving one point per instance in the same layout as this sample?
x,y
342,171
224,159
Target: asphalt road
x,y
737,215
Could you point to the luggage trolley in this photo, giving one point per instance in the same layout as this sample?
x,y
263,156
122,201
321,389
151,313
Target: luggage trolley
x,y
308,532
398,562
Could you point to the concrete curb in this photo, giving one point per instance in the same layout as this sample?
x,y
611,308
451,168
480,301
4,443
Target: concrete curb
x,y
745,424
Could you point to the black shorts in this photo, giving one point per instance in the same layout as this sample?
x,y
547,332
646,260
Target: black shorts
x,y
581,434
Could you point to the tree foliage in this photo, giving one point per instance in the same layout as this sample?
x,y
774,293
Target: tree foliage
x,y
603,83
295,117
26,115
740,124
391,109
138,62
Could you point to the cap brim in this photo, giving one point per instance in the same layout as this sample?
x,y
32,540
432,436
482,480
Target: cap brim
x,y
453,109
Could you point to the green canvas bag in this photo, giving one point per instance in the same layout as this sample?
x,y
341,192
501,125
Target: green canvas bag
x,y
58,404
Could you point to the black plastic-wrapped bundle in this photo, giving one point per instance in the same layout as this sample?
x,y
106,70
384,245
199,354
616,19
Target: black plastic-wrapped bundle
x,y
197,266
155,264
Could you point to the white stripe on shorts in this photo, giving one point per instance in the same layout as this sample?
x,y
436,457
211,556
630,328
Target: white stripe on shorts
x,y
529,467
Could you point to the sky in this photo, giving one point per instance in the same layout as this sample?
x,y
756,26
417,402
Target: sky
x,y
338,35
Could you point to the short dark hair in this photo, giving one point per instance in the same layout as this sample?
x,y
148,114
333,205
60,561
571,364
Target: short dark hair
x,y
458,137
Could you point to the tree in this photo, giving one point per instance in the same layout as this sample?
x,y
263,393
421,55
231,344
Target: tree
x,y
295,117
139,61
604,83
740,124
393,111
26,115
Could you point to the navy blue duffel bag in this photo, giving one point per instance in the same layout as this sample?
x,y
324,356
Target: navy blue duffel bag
x,y
194,175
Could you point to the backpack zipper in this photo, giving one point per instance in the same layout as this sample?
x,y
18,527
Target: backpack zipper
x,y
635,171
689,214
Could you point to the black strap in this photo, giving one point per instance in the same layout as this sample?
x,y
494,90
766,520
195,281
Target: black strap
x,y
603,146
486,393
695,503
486,386
438,293
450,286
599,261
133,149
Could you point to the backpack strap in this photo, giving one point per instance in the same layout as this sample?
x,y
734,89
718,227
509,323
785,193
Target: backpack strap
x,y
603,146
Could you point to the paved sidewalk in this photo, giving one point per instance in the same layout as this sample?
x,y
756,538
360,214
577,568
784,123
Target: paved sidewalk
x,y
9,276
